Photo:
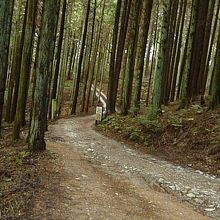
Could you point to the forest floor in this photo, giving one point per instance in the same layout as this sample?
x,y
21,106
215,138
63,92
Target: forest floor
x,y
21,176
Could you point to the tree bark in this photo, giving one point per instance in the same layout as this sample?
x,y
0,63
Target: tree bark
x,y
215,87
132,50
78,77
147,9
59,52
156,106
25,68
6,11
110,105
44,72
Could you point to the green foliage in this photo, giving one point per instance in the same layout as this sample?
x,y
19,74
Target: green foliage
x,y
194,131
197,108
21,157
113,122
153,125
68,85
136,135
216,128
133,128
176,122
18,162
153,114
134,111
24,154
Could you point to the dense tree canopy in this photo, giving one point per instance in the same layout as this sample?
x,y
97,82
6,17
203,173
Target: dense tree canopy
x,y
145,53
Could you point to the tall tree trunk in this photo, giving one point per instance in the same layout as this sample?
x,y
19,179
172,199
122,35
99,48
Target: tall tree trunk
x,y
211,43
176,58
110,105
72,59
6,11
59,52
11,85
120,48
123,72
167,76
150,67
198,46
156,106
88,65
78,77
44,72
215,87
185,97
147,8
132,50
25,67
62,75
17,69
202,75
94,58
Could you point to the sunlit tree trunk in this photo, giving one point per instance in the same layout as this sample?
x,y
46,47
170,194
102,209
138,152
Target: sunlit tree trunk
x,y
167,76
176,58
185,97
89,60
157,94
16,45
94,58
59,52
132,50
150,66
78,76
202,74
17,68
211,43
215,87
72,59
147,8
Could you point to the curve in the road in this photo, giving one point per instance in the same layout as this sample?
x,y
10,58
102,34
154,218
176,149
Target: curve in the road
x,y
199,189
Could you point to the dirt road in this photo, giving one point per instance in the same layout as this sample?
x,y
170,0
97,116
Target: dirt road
x,y
104,179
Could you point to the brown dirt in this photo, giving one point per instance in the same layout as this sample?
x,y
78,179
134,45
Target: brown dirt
x,y
20,177
64,183
21,173
88,192
89,189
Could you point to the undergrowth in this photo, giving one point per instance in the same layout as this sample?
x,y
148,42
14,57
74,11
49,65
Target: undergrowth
x,y
186,136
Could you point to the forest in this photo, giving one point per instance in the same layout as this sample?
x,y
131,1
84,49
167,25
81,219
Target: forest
x,y
152,65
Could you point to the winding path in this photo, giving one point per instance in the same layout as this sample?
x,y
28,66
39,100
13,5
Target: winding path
x,y
105,179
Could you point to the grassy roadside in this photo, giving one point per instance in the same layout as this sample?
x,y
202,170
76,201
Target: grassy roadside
x,y
186,137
